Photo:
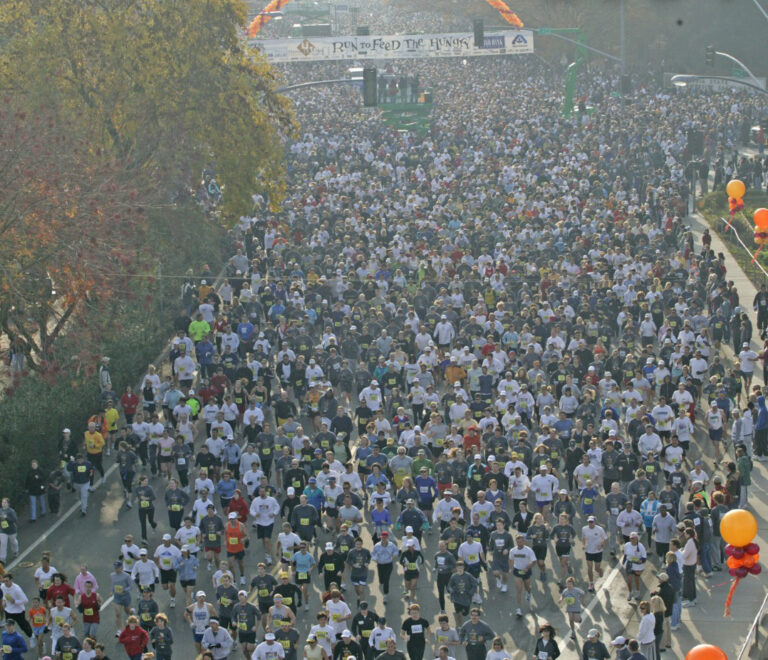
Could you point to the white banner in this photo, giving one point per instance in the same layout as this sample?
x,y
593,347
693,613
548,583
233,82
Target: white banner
x,y
455,44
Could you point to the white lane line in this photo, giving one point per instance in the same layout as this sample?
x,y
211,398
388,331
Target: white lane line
x,y
45,535
604,587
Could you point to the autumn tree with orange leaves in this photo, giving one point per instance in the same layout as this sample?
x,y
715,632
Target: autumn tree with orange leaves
x,y
70,226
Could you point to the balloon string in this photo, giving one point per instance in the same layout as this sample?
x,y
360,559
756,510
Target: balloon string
x,y
756,253
731,592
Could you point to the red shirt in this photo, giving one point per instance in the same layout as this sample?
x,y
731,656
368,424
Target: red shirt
x,y
134,641
240,507
89,606
54,591
130,403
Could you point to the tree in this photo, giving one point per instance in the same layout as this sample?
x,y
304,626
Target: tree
x,y
170,86
67,217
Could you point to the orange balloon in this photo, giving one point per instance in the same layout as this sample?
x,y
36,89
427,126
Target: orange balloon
x,y
748,561
738,527
761,218
733,562
706,652
736,188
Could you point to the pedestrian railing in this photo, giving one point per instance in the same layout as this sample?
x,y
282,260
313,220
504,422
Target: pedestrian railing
x,y
752,636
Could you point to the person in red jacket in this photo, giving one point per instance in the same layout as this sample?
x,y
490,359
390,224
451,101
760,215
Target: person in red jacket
x,y
134,638
130,403
239,506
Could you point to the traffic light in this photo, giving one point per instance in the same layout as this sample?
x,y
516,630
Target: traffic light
x,y
709,56
479,30
370,94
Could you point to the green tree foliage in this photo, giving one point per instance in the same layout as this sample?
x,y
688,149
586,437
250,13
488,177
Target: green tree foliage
x,y
169,86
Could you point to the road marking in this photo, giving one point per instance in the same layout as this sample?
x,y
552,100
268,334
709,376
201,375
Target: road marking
x,y
45,535
605,586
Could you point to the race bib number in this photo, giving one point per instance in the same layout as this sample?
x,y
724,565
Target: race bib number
x,y
266,451
233,540
144,504
81,468
88,611
304,521
213,537
242,625
175,507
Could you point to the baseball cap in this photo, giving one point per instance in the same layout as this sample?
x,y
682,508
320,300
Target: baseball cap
x,y
374,382
242,592
312,480
478,457
270,637
64,431
329,546
185,548
117,564
385,533
364,605
167,537
143,551
565,492
346,633
409,529
232,515
199,594
620,640
591,519
592,633
290,490
745,344
633,535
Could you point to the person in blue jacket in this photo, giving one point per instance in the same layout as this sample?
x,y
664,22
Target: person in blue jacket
x,y
14,646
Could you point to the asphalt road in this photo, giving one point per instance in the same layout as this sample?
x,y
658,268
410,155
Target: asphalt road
x,y
95,541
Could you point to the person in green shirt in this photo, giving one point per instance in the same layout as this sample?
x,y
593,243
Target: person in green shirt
x,y
420,461
198,328
744,468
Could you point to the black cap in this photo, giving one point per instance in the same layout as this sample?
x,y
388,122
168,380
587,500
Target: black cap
x,y
364,605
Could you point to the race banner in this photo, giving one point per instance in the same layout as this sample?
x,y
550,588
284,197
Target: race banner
x,y
397,46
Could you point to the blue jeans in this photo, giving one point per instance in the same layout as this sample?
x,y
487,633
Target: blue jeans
x,y
90,629
33,500
677,611
705,554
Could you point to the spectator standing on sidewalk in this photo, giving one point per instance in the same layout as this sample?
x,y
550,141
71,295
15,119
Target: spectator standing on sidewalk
x,y
8,529
35,485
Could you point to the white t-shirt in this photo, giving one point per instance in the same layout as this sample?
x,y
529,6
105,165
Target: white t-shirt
x,y
522,558
264,510
593,538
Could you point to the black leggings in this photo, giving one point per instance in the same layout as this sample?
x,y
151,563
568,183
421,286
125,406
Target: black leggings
x,y
442,583
98,464
384,572
415,649
145,514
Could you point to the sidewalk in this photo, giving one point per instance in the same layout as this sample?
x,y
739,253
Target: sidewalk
x,y
705,622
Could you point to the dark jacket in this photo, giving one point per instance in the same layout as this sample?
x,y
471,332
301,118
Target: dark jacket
x,y
35,482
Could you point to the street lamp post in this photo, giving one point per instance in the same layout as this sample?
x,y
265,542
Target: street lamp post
x,y
681,80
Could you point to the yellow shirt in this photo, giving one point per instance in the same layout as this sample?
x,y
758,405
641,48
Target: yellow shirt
x,y
94,442
111,416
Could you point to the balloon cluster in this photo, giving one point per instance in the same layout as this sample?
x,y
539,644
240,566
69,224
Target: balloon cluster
x,y
735,190
743,561
738,529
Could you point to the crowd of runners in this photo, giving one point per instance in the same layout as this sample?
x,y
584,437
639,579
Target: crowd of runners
x,y
485,360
